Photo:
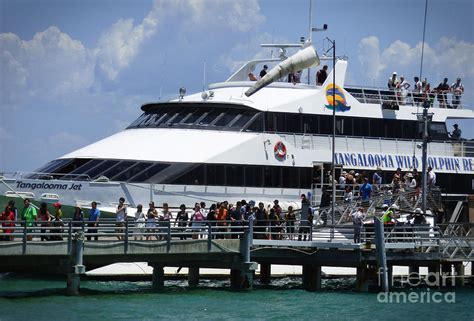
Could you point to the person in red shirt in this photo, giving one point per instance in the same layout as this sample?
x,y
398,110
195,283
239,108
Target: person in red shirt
x,y
7,217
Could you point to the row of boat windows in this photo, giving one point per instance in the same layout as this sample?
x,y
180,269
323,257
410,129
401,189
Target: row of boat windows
x,y
176,173
218,118
210,174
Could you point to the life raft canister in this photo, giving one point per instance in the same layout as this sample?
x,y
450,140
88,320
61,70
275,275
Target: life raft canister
x,y
280,151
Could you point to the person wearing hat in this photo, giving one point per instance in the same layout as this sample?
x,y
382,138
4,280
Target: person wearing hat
x,y
263,72
57,210
388,216
78,216
457,89
393,81
456,133
419,217
410,182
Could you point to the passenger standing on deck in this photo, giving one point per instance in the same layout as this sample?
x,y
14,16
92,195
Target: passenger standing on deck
x,y
431,179
278,210
44,217
151,216
212,218
377,178
11,203
393,81
196,221
290,219
321,76
442,90
28,214
365,192
263,72
324,204
348,194
261,221
121,216
252,77
57,210
94,216
78,216
58,226
457,89
358,221
222,217
7,219
140,223
182,219
456,133
403,86
417,91
165,219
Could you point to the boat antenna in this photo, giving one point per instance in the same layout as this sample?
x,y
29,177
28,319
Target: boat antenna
x,y
204,76
423,42
310,36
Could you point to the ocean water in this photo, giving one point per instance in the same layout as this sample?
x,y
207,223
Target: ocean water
x,y
24,298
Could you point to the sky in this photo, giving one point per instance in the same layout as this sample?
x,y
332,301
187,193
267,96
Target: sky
x,y
76,71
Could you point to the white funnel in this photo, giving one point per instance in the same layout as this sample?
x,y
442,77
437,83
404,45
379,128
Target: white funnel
x,y
302,59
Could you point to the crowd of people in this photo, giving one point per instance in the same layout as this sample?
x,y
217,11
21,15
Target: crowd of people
x,y
424,95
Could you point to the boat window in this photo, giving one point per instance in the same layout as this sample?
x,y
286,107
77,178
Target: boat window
x,y
179,117
269,122
243,119
409,129
254,176
228,116
193,176
194,116
310,124
96,171
131,171
235,175
210,117
437,131
50,167
122,166
294,123
361,127
393,128
70,166
375,128
137,121
148,175
291,177
272,176
325,125
215,174
81,170
256,125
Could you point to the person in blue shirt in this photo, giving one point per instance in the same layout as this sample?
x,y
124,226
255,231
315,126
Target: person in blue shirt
x,y
365,192
94,216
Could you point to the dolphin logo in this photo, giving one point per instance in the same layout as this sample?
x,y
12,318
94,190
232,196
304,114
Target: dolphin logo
x,y
338,100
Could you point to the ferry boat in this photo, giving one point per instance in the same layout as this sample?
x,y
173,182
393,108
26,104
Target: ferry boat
x,y
220,144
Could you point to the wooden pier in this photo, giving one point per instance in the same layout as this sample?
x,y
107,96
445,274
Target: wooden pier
x,y
241,249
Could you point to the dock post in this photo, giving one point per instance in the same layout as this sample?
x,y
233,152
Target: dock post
x,y
447,274
158,277
76,267
311,277
459,269
381,256
414,274
241,274
193,276
265,273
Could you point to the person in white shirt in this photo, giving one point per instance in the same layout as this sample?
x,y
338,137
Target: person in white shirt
x,y
121,215
417,91
403,86
393,81
358,220
431,181
457,89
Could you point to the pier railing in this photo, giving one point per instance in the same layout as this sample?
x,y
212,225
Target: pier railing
x,y
423,237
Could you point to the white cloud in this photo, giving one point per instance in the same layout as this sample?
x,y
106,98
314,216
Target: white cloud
x,y
446,58
369,56
51,63
121,43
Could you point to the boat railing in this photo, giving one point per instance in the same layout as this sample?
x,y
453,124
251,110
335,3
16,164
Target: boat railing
x,y
361,144
44,176
392,98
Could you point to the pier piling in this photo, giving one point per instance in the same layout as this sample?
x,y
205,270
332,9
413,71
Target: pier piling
x,y
312,277
265,273
76,267
193,276
158,277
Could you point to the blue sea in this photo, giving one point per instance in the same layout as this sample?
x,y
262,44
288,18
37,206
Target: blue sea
x,y
23,298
